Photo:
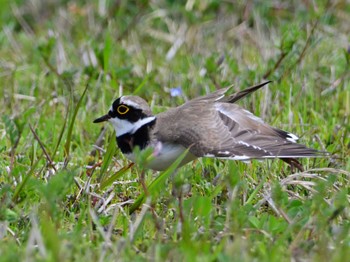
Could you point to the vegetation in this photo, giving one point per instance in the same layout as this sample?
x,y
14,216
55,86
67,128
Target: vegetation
x,y
68,194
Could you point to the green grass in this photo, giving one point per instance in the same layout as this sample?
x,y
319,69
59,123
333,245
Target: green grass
x,y
63,62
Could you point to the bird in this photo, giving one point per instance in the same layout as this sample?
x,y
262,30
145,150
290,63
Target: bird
x,y
211,126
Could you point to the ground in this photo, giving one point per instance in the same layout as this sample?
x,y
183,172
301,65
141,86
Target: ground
x,y
68,194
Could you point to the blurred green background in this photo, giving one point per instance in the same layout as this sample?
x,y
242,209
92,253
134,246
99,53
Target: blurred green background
x,y
63,62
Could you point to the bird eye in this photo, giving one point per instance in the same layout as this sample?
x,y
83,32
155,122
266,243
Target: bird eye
x,y
122,109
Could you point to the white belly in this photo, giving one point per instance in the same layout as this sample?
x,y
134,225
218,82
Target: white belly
x,y
164,155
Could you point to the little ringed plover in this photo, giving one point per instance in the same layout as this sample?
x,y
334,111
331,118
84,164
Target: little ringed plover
x,y
209,126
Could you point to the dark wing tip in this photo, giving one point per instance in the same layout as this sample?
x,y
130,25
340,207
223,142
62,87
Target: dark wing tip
x,y
239,95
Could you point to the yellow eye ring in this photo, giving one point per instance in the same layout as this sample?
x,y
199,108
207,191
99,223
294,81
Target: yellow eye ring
x,y
122,109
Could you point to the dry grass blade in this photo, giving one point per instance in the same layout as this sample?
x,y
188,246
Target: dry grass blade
x,y
48,158
105,235
109,234
135,226
35,241
330,170
268,198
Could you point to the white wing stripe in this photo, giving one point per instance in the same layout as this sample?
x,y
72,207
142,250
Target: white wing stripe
x,y
292,138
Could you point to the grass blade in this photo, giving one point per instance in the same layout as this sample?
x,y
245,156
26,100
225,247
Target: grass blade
x,y
25,180
71,125
158,182
142,84
107,159
114,177
61,133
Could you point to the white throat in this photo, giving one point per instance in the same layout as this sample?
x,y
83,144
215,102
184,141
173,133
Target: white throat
x,y
123,126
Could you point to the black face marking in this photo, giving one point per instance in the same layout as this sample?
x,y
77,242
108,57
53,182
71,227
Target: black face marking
x,y
120,110
113,112
140,138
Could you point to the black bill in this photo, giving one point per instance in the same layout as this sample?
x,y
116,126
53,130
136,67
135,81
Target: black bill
x,y
102,119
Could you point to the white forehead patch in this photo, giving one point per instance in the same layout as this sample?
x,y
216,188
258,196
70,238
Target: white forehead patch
x,y
124,100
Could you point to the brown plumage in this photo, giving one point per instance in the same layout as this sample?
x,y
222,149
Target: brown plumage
x,y
213,126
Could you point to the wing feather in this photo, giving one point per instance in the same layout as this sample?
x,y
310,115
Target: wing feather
x,y
212,126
